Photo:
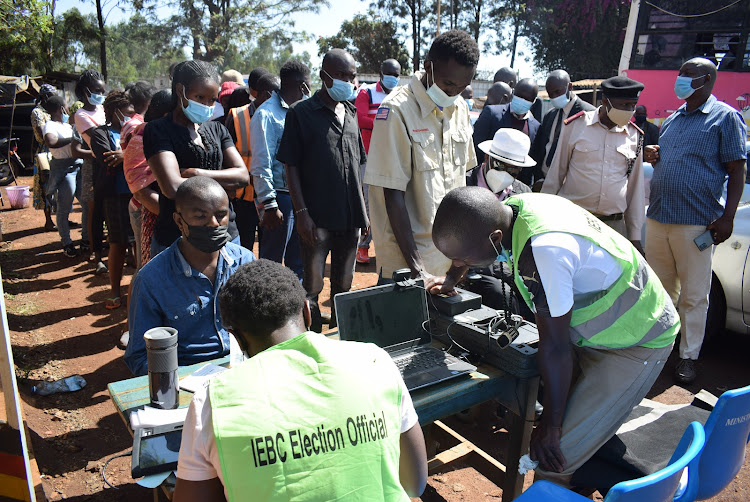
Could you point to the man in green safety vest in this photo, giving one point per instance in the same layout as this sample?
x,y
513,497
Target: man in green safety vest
x,y
606,324
305,417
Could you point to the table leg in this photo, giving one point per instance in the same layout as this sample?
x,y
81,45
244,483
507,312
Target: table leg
x,y
520,435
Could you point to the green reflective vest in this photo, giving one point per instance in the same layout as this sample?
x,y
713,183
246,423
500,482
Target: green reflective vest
x,y
310,419
634,311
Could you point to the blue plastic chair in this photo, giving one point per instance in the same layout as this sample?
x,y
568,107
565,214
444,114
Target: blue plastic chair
x,y
660,486
727,434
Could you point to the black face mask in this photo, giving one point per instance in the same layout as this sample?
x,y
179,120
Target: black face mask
x,y
207,239
640,119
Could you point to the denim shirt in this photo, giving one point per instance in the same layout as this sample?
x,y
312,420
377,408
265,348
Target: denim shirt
x,y
266,128
168,292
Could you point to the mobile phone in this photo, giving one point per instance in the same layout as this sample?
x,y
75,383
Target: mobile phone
x,y
704,240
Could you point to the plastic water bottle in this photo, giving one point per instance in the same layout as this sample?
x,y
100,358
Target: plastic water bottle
x,y
69,384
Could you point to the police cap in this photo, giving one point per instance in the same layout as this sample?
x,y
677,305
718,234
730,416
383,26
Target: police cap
x,y
621,87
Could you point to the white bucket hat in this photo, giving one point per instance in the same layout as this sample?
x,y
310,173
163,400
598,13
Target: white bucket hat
x,y
510,146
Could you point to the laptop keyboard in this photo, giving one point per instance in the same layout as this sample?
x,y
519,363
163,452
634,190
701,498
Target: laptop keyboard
x,y
419,361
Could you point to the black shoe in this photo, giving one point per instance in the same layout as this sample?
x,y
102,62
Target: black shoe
x,y
685,371
85,248
70,250
73,224
325,318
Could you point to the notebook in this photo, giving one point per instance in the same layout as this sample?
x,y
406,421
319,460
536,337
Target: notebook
x,y
395,317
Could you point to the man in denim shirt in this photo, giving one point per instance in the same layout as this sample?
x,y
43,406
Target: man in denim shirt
x,y
701,145
179,286
280,242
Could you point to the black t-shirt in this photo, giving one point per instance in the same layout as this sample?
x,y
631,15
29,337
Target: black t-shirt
x,y
164,135
327,156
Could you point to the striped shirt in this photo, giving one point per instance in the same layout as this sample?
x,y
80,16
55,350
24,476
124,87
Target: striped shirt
x,y
688,180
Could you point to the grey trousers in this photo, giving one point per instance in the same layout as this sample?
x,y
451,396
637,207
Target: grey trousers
x,y
611,384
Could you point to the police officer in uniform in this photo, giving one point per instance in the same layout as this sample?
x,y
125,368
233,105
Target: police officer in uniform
x,y
598,163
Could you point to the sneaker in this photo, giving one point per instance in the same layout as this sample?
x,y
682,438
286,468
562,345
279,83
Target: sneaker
x,y
685,371
124,339
85,248
363,256
101,269
70,250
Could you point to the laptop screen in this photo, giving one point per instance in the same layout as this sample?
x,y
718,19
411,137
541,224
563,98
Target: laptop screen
x,y
383,315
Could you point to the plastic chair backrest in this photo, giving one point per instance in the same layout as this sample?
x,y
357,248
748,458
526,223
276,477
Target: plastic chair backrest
x,y
727,430
662,485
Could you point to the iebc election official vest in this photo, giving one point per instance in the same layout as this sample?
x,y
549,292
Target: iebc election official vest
x,y
634,311
310,419
241,118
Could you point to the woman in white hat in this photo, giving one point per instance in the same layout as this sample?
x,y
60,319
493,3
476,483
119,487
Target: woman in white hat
x,y
506,154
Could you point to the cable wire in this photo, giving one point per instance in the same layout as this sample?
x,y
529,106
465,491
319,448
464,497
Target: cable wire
x,y
104,467
689,16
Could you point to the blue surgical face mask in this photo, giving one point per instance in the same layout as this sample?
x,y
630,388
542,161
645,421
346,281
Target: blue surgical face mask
x,y
560,101
95,99
470,103
340,90
437,95
683,86
306,91
389,82
502,255
65,118
195,112
519,106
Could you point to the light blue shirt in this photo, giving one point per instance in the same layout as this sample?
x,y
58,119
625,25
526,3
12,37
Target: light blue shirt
x,y
694,148
169,292
266,128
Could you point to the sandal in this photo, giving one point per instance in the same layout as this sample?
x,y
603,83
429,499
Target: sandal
x,y
112,303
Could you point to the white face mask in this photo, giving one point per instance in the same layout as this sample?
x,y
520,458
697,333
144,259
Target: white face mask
x,y
498,180
437,95
619,117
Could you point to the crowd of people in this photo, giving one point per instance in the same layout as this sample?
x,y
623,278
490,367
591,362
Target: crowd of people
x,y
188,180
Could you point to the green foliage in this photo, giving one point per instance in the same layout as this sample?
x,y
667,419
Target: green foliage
x,y
270,51
369,42
587,46
24,29
409,17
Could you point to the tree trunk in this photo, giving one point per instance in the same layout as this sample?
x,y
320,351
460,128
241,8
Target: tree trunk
x,y
415,34
515,42
477,19
102,38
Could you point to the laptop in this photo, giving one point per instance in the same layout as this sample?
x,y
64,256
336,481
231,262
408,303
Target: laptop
x,y
395,317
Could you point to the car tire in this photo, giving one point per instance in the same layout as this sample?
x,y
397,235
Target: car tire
x,y
717,311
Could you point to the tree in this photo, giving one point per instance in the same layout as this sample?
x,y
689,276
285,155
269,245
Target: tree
x,y
23,31
587,46
212,27
413,13
270,51
369,42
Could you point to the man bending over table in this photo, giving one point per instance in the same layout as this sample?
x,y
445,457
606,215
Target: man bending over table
x,y
305,418
606,324
179,286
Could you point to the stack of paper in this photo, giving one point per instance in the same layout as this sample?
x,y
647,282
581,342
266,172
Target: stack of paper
x,y
153,417
200,377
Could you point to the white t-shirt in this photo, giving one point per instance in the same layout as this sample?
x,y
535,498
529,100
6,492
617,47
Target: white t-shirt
x,y
199,457
62,130
571,268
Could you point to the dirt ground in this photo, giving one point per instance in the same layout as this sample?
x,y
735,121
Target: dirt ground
x,y
59,327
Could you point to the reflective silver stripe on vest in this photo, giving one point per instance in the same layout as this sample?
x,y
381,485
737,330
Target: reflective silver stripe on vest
x,y
620,307
242,135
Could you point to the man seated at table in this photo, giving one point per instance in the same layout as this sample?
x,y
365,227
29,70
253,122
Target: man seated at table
x,y
305,417
179,286
599,309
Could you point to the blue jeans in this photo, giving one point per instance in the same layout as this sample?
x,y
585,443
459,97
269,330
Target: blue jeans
x,y
342,244
63,175
282,243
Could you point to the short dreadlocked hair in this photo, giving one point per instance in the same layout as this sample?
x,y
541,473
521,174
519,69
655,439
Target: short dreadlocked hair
x,y
191,72
115,100
455,44
293,73
260,297
86,80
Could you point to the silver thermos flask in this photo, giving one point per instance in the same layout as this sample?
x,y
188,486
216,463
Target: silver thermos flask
x,y
163,382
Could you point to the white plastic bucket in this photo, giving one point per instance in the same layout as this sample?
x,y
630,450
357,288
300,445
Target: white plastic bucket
x,y
18,196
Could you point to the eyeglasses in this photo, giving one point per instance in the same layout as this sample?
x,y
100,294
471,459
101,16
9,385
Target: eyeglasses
x,y
502,166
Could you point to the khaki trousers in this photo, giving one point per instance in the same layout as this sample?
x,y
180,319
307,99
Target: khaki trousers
x,y
685,272
611,383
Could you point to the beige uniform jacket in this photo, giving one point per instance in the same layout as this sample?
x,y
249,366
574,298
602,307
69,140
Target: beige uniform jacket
x,y
590,169
424,152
